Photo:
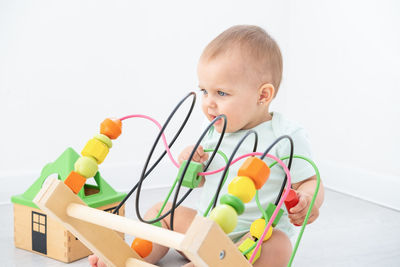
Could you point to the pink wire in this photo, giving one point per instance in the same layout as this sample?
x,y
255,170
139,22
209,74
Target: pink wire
x,y
274,214
160,127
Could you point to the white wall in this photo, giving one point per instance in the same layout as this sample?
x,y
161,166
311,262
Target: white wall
x,y
65,66
343,85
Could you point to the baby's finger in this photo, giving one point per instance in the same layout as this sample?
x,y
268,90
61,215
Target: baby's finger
x,y
300,206
204,157
196,157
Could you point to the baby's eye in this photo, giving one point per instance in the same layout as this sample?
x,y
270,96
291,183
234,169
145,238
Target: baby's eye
x,y
222,93
204,91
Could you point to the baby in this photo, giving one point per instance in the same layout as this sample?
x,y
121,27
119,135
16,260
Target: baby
x,y
239,75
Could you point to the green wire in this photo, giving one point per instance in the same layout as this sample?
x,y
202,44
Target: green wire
x,y
308,212
264,213
226,176
309,208
166,200
176,180
258,201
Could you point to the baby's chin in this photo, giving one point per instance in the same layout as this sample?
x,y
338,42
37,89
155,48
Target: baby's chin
x,y
219,128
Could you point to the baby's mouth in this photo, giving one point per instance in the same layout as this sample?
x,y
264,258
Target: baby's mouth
x,y
212,117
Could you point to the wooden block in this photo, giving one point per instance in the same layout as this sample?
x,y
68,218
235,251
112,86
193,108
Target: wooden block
x,y
291,200
75,181
205,244
55,197
256,169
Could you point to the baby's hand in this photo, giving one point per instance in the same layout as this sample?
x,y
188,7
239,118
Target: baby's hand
x,y
199,156
298,212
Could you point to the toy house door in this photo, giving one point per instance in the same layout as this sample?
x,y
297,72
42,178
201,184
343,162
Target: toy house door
x,y
39,232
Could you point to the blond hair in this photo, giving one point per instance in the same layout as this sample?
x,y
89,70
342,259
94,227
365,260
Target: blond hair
x,y
256,45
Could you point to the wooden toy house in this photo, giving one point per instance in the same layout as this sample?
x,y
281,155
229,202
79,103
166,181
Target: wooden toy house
x,y
36,232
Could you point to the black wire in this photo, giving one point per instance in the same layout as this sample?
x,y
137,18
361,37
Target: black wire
x,y
175,205
230,160
289,165
165,152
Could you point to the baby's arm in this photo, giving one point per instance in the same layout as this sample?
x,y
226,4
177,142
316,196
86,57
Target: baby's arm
x,y
199,156
305,191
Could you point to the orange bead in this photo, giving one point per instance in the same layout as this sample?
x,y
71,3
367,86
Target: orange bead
x,y
75,181
111,128
256,169
142,247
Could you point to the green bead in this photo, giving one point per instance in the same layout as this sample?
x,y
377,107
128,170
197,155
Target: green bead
x,y
191,179
86,166
104,138
270,210
225,216
233,201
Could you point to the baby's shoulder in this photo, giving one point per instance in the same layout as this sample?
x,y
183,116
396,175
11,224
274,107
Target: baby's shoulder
x,y
281,125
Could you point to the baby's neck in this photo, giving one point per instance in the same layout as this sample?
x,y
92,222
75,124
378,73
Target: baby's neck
x,y
261,119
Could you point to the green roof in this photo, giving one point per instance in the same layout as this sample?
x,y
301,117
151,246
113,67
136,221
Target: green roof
x,y
62,167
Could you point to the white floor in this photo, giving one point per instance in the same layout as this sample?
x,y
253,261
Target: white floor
x,y
349,232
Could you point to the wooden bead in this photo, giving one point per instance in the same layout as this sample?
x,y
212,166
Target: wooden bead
x,y
142,247
257,229
270,210
86,166
234,202
242,187
225,216
256,169
96,149
291,200
111,128
246,244
191,179
75,181
104,138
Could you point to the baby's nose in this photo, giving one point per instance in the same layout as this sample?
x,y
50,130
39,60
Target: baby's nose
x,y
211,103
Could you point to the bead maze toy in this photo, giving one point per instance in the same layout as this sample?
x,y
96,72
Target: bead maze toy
x,y
205,243
39,233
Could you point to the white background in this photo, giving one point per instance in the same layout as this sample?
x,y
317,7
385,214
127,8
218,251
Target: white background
x,y
67,65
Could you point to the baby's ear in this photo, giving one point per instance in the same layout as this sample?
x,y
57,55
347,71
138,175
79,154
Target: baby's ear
x,y
266,93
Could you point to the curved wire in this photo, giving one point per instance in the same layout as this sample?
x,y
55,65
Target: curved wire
x,y
174,206
289,164
222,180
164,152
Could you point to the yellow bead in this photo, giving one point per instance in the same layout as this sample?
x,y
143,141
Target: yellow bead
x,y
96,149
242,187
225,216
104,138
86,166
248,243
257,229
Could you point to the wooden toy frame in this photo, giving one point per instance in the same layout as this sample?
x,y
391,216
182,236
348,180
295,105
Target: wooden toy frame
x,y
205,244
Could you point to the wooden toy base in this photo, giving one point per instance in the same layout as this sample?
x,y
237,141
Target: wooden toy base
x,y
205,244
39,233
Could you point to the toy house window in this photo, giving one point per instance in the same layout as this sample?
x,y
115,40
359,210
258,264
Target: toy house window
x,y
38,222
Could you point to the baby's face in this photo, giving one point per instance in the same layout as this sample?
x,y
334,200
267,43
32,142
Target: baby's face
x,y
227,89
